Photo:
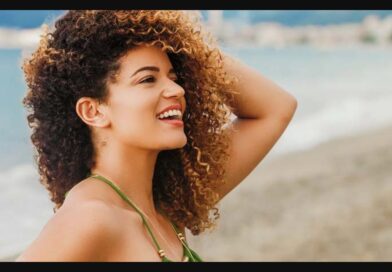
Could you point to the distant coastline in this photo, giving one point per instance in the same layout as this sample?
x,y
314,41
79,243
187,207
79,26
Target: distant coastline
x,y
372,31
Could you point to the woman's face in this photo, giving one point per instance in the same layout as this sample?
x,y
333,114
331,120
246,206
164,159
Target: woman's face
x,y
145,85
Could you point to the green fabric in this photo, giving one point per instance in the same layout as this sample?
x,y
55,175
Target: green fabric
x,y
188,252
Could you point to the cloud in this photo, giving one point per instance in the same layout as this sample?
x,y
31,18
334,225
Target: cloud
x,y
11,38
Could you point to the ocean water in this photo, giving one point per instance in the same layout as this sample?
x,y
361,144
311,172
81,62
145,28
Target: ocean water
x,y
340,91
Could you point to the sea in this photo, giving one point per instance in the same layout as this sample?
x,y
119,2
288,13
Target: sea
x,y
340,91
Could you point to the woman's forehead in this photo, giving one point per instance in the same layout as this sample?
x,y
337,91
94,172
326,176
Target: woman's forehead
x,y
144,56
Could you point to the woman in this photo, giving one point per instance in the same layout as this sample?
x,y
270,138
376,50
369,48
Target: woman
x,y
130,116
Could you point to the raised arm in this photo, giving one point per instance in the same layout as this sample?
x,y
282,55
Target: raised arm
x,y
263,111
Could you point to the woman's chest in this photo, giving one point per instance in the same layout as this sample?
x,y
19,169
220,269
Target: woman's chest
x,y
137,244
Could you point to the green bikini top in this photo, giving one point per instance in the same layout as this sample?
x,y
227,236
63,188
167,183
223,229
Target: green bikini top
x,y
189,254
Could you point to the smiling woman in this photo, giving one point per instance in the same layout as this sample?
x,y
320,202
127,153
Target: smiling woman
x,y
129,112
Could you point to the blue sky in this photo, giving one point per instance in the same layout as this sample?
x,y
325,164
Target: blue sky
x,y
26,18
34,18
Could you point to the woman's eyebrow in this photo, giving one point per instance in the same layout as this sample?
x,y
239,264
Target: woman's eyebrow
x,y
151,68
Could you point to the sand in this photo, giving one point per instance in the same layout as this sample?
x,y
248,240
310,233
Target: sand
x,y
329,203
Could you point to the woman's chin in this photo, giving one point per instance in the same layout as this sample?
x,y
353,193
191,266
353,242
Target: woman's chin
x,y
176,144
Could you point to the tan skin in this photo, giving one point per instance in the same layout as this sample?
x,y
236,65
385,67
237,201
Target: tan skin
x,y
127,151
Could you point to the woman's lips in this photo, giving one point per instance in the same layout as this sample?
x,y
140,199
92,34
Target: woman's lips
x,y
174,122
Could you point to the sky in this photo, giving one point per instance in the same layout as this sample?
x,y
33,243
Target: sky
x,y
26,18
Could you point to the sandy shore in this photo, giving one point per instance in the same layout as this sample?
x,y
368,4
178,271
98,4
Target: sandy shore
x,y
329,203
9,258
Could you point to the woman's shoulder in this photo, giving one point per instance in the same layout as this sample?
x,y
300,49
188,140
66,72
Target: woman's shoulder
x,y
93,204
82,229
99,199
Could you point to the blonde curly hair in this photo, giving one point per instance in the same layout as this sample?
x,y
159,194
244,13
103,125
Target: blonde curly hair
x,y
77,58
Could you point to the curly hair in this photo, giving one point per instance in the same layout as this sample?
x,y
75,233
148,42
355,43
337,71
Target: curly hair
x,y
79,55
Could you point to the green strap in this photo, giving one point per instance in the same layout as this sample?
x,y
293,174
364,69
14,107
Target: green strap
x,y
123,196
192,255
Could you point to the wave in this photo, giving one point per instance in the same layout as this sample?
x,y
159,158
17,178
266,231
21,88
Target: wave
x,y
345,118
25,208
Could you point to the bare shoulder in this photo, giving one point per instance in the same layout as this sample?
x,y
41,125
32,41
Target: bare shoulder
x,y
82,232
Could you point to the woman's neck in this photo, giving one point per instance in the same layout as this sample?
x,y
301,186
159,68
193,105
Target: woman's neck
x,y
132,170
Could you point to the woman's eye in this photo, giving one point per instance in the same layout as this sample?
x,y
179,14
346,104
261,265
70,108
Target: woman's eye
x,y
148,80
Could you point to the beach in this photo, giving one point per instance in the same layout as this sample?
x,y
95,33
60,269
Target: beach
x,y
321,194
328,203
304,201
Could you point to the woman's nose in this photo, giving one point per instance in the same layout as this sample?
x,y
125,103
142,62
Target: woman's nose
x,y
174,89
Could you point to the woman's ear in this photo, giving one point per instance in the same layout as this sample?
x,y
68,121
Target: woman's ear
x,y
92,112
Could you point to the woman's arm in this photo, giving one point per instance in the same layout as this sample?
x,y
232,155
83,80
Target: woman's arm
x,y
263,111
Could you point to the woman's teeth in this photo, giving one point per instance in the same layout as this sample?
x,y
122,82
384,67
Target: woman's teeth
x,y
176,114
